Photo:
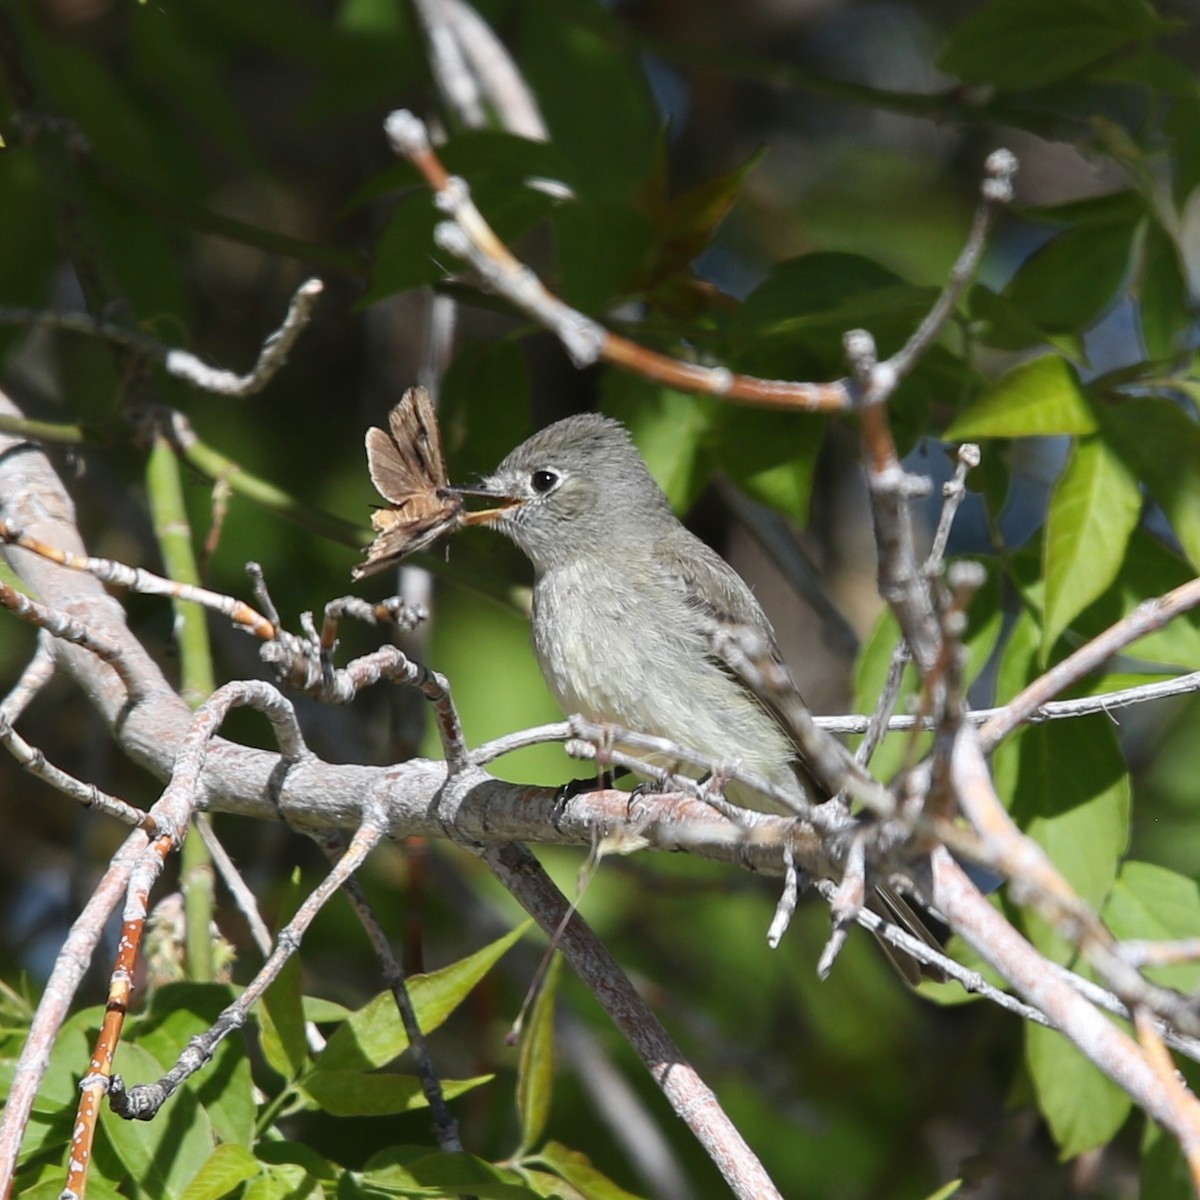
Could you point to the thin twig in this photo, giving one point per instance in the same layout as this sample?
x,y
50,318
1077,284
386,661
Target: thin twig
x,y
473,70
690,1097
995,193
38,672
853,723
468,236
66,628
137,579
142,1102
1000,945
31,759
1020,859
70,965
1174,1089
181,363
445,1127
1149,616
239,889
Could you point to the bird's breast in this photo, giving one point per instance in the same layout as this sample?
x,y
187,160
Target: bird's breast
x,y
592,643
639,658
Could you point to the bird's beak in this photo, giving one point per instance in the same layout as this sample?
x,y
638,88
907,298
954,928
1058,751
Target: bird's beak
x,y
486,516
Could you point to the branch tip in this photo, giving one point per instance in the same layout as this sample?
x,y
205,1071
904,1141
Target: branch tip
x,y
967,575
406,133
1001,166
452,238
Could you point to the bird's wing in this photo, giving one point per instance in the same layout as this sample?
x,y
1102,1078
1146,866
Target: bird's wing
x,y
713,589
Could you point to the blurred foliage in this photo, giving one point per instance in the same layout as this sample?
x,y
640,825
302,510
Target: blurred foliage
x,y
747,182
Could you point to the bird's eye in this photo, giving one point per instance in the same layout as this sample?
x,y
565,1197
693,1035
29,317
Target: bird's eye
x,y
543,481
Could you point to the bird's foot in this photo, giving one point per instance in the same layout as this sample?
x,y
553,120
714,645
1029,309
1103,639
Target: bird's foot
x,y
600,782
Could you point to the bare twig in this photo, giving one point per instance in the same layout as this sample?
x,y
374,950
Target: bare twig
x,y
1023,861
445,1127
996,192
1146,618
239,889
750,658
954,491
137,579
999,944
66,628
1174,1090
69,967
181,363
1052,710
473,70
142,1102
38,672
31,759
1141,953
469,236
690,1097
785,906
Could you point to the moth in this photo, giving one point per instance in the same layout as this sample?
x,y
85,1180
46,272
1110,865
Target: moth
x,y
409,471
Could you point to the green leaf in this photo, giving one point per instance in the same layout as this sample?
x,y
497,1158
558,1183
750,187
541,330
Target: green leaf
x,y
281,1014
1082,1106
944,1193
535,1066
600,250
816,298
227,1167
177,1013
175,58
984,622
355,1094
283,1153
594,96
1164,302
1149,570
290,1171
671,430
405,254
47,1184
578,1171
1182,129
483,396
374,1035
684,225
1023,44
997,321
1164,1169
1070,792
1094,510
1161,444
812,283
287,1182
1037,398
770,456
1068,283
418,1171
163,1155
1149,901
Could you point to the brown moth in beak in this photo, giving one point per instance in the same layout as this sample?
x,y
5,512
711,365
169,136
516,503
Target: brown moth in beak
x,y
409,470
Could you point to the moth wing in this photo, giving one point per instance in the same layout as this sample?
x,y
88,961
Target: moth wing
x,y
390,472
397,536
415,429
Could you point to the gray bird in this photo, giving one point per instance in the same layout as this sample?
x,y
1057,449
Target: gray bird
x,y
625,599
